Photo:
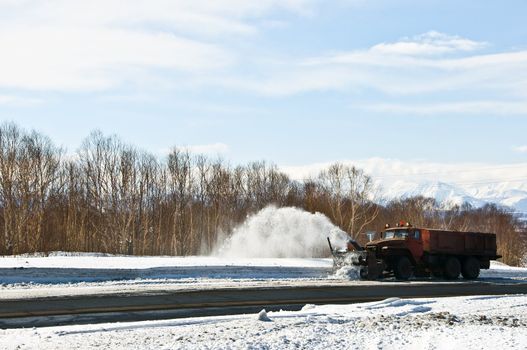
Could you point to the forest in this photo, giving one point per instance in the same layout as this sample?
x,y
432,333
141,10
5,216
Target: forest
x,y
111,197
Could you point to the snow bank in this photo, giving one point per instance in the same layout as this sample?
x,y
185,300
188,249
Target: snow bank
x,y
283,233
470,322
499,270
94,261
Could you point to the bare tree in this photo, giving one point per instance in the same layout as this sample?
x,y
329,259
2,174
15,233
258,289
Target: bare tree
x,y
351,197
10,144
180,184
29,170
40,167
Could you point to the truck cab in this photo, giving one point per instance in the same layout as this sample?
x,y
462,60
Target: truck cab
x,y
398,238
398,251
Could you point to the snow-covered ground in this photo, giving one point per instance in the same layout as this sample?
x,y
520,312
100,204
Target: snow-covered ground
x,y
475,322
441,323
66,274
102,261
500,270
94,269
82,269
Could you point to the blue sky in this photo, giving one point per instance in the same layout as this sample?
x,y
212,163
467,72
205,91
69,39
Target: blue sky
x,y
294,82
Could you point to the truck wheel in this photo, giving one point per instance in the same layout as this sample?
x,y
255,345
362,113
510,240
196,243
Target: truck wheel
x,y
452,268
403,268
470,268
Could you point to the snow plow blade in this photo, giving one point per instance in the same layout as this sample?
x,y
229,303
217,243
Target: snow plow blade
x,y
357,256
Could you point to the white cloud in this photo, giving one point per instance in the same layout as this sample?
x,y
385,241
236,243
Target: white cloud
x,y
190,16
405,67
430,43
18,101
75,45
521,149
80,59
390,171
469,107
101,44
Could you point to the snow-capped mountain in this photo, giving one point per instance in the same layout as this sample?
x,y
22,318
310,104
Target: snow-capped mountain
x,y
448,193
454,183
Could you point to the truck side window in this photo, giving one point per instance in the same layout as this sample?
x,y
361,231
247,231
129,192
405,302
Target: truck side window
x,y
417,234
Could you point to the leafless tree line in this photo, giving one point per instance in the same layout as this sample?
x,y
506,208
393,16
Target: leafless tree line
x,y
110,197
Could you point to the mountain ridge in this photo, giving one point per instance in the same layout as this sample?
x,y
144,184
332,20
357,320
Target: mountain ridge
x,y
454,194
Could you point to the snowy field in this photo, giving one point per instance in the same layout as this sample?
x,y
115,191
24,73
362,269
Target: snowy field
x,y
475,322
86,269
83,269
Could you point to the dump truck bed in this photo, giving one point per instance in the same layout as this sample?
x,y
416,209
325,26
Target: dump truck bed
x,y
459,243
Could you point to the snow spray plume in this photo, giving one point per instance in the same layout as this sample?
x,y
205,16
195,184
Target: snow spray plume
x,y
282,233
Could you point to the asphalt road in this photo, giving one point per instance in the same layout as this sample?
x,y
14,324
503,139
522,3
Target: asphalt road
x,y
151,304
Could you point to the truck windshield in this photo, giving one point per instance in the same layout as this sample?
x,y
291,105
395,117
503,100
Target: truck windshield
x,y
396,234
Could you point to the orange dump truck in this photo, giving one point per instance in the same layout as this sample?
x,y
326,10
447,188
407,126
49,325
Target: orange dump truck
x,y
404,251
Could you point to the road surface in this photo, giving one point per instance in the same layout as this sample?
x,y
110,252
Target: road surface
x,y
164,303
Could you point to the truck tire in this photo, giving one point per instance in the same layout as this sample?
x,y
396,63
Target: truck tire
x,y
452,268
403,268
470,270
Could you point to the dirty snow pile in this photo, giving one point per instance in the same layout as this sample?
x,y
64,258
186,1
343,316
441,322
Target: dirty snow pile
x,y
474,322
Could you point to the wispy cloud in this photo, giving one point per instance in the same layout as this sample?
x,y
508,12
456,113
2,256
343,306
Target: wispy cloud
x,y
94,59
424,65
201,17
521,149
18,100
469,107
98,45
430,43
389,171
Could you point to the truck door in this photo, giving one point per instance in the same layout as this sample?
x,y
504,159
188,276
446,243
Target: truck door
x,y
415,243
